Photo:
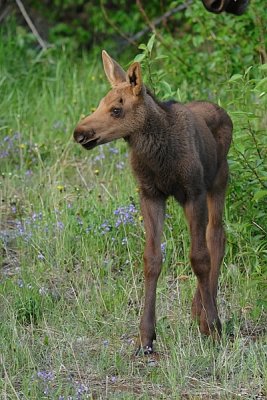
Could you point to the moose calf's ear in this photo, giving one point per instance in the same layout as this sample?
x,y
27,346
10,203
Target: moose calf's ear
x,y
113,70
134,77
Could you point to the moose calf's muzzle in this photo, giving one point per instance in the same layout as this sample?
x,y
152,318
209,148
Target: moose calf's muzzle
x,y
85,137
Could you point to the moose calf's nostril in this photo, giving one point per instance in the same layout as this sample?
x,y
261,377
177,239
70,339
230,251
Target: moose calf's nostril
x,y
78,136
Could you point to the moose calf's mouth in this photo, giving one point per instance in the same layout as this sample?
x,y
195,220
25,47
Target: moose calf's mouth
x,y
90,144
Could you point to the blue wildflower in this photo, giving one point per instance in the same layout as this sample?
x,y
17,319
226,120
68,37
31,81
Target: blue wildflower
x,y
125,215
60,225
120,165
29,172
113,150
100,156
20,283
105,227
124,241
46,376
163,250
79,220
40,256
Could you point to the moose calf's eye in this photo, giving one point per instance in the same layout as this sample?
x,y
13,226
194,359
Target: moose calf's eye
x,y
116,112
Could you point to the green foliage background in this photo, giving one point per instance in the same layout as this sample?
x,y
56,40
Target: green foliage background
x,y
70,279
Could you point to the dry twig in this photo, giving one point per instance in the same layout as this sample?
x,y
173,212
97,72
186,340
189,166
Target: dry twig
x,y
30,24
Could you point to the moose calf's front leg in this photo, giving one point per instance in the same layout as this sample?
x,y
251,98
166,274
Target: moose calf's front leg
x,y
153,211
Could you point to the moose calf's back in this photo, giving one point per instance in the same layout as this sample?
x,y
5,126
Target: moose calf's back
x,y
187,145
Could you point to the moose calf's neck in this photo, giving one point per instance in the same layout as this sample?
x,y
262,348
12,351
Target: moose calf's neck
x,y
152,136
165,153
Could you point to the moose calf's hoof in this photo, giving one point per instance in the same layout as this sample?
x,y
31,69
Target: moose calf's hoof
x,y
213,328
144,351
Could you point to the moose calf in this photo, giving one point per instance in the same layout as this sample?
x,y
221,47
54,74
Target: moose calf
x,y
176,150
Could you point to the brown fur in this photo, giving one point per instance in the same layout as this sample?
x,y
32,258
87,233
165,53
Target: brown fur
x,y
176,150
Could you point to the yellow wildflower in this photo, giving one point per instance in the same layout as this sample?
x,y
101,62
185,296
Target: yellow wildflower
x,y
60,188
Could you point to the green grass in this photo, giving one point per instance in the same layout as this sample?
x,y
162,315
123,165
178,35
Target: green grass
x,y
71,277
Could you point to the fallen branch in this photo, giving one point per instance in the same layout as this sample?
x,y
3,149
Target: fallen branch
x,y
31,25
152,27
114,26
158,20
5,13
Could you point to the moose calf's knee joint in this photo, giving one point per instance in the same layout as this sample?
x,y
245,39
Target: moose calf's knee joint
x,y
200,261
152,265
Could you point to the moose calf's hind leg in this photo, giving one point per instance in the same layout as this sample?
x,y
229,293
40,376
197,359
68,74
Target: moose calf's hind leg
x,y
197,305
214,235
215,231
205,304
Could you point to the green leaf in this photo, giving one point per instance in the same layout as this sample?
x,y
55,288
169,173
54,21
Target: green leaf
x,y
262,83
235,77
161,57
139,57
142,46
248,69
259,195
166,87
150,43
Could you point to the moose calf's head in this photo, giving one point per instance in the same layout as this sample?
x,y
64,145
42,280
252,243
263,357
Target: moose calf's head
x,y
120,112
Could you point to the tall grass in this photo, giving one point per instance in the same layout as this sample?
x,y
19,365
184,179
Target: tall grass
x,y
71,250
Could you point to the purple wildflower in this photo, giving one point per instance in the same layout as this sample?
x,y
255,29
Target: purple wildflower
x,y
79,220
163,250
88,229
120,165
124,241
113,150
125,215
105,343
20,283
29,172
37,216
40,256
46,376
81,389
100,156
105,227
46,391
43,291
60,225
4,154
9,145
